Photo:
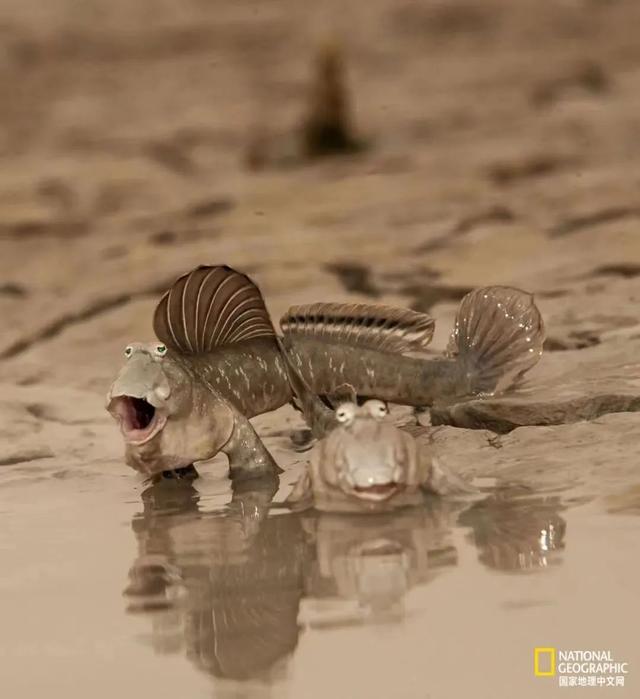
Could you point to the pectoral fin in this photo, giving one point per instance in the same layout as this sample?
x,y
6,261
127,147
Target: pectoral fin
x,y
301,496
247,454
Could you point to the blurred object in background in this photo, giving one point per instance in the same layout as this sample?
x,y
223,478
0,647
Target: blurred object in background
x,y
327,127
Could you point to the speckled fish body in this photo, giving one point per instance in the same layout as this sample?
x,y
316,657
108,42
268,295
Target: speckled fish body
x,y
250,375
497,337
325,366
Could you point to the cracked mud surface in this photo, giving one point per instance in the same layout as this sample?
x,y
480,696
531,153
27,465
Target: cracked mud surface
x,y
503,149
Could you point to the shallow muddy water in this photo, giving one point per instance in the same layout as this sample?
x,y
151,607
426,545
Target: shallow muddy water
x,y
111,587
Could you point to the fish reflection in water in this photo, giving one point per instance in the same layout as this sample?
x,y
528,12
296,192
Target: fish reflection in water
x,y
372,561
232,589
517,534
223,586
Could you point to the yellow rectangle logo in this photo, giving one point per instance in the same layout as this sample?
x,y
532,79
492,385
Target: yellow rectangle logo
x,y
540,669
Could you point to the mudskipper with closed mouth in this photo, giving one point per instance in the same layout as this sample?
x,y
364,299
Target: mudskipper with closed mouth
x,y
367,464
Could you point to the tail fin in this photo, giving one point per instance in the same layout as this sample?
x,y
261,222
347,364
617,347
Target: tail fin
x,y
497,337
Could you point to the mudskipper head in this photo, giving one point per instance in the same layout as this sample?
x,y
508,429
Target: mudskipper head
x,y
141,397
167,422
366,455
169,413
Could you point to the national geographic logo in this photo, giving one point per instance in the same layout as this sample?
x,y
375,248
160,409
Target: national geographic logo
x,y
580,668
544,662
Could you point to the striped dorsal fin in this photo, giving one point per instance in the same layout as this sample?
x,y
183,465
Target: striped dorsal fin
x,y
210,307
384,328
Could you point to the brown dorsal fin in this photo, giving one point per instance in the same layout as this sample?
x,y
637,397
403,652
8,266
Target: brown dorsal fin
x,y
210,307
384,328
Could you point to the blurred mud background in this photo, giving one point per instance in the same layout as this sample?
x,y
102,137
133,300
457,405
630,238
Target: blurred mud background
x,y
493,142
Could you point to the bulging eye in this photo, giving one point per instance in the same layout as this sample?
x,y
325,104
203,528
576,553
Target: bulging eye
x,y
128,351
376,408
346,413
160,350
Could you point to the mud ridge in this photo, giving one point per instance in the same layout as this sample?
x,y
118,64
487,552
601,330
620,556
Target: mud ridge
x,y
580,223
502,416
496,214
58,325
355,277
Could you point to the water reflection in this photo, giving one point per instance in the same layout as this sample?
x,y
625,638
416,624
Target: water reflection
x,y
232,589
515,533
223,586
372,561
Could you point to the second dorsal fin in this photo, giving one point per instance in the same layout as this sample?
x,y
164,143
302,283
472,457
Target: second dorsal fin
x,y
210,307
384,328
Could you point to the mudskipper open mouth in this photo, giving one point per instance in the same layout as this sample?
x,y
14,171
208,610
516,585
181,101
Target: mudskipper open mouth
x,y
377,491
139,420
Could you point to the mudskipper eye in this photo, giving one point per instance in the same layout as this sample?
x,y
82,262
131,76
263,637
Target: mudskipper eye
x,y
376,408
128,351
161,350
345,413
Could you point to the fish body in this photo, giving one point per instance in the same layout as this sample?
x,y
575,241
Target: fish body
x,y
325,365
498,336
251,375
219,362
367,464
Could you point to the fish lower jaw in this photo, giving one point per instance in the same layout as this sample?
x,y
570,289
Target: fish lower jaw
x,y
376,492
374,485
